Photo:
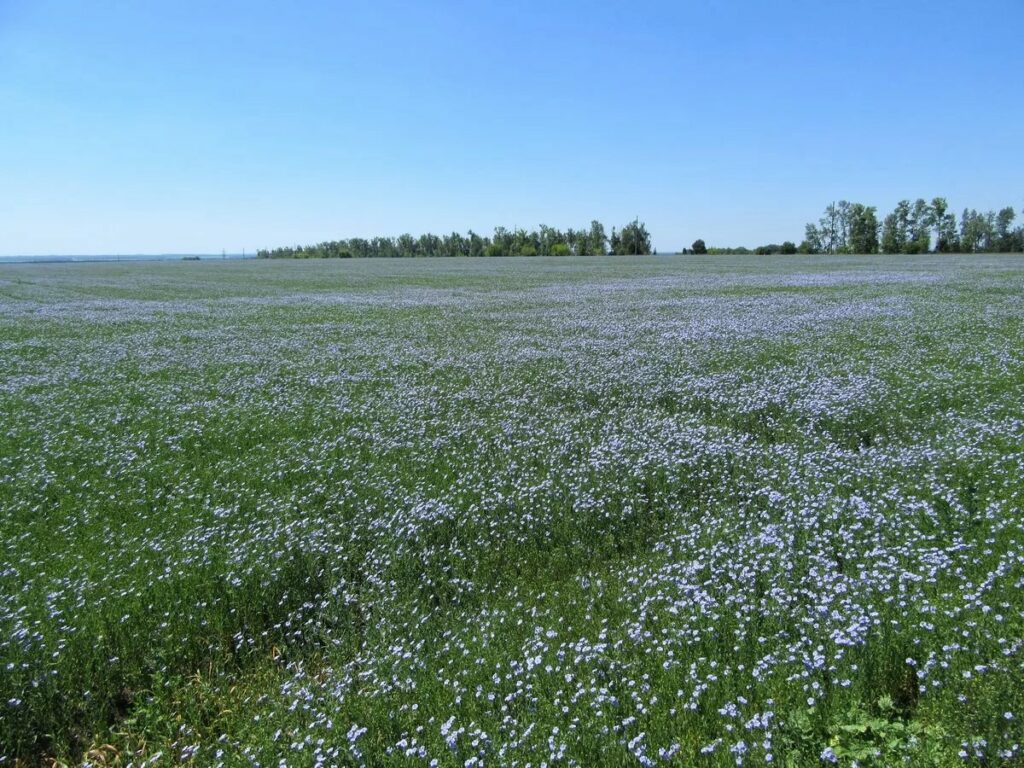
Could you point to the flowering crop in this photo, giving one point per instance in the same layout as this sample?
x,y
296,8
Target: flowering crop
x,y
466,513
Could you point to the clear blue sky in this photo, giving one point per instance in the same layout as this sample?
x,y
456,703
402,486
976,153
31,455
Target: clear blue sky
x,y
195,126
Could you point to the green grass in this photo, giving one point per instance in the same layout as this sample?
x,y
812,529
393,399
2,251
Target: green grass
x,y
595,512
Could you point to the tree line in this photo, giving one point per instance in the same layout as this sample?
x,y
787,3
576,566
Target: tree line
x,y
845,227
700,248
918,227
632,239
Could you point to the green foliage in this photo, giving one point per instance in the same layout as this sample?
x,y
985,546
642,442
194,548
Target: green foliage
x,y
729,251
545,241
863,228
844,228
632,240
911,228
869,737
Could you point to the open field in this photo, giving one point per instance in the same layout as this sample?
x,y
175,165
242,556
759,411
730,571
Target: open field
x,y
593,512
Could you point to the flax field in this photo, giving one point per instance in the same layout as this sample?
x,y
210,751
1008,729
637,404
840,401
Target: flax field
x,y
686,511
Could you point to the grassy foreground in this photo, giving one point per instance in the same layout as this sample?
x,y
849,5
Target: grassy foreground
x,y
592,512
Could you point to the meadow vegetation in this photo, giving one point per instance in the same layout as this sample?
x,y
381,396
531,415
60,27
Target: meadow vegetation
x,y
591,512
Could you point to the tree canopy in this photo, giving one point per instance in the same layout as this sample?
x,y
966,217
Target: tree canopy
x,y
543,241
844,227
912,227
633,240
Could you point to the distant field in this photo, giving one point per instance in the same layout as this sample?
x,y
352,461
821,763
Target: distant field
x,y
582,511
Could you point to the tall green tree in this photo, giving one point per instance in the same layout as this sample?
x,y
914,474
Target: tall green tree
x,y
359,247
1004,236
894,228
454,245
406,245
501,243
828,228
597,240
976,231
548,238
844,226
525,243
633,240
429,245
863,229
477,244
944,224
919,226
813,241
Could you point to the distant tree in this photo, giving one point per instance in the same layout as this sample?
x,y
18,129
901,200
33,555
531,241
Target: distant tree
x,y
774,248
828,228
383,247
477,244
813,241
944,224
525,243
429,245
699,247
406,245
548,238
892,235
502,243
1004,236
572,239
918,229
976,231
844,225
863,229
597,240
834,231
895,228
359,247
634,240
